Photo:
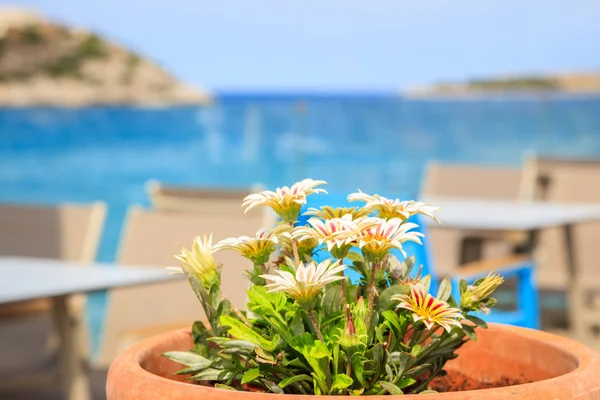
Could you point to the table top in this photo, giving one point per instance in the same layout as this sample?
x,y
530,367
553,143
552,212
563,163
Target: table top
x,y
24,278
483,214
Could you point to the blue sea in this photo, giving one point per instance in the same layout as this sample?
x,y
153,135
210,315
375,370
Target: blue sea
x,y
372,142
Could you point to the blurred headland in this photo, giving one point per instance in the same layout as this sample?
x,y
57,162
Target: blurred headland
x,y
576,83
47,63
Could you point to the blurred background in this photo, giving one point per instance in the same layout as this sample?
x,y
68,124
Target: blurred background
x,y
97,99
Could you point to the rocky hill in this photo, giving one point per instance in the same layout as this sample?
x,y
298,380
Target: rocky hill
x,y
573,83
46,63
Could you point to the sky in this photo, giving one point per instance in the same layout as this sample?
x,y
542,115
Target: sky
x,y
343,45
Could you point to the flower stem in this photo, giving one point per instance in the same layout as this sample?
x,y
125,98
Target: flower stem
x,y
343,293
295,250
263,267
314,323
427,334
387,345
371,291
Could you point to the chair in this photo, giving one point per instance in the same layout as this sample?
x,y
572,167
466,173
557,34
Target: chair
x,y
538,172
152,238
518,267
560,180
69,232
199,199
575,185
453,247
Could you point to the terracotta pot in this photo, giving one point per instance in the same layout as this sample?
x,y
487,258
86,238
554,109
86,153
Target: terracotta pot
x,y
558,368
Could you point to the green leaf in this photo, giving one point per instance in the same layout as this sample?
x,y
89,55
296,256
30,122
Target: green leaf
x,y
238,347
225,387
294,379
264,358
470,332
186,358
391,316
405,382
463,286
361,268
240,331
341,381
402,361
477,321
332,300
355,256
385,299
418,370
416,350
272,386
445,289
296,362
224,308
359,367
428,391
490,302
332,318
212,374
297,325
318,350
250,375
215,295
390,387
199,332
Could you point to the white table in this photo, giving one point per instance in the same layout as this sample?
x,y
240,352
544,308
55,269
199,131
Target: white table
x,y
24,279
497,215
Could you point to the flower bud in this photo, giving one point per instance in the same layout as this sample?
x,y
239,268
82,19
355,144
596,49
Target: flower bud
x,y
474,298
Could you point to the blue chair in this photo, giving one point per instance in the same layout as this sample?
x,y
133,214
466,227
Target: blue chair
x,y
527,312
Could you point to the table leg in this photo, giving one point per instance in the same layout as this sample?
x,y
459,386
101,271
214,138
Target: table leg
x,y
74,377
575,299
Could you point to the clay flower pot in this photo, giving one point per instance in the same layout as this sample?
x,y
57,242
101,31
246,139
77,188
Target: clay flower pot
x,y
557,368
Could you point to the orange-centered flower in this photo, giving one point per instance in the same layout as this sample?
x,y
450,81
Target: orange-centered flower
x,y
333,232
428,309
394,208
199,262
257,249
381,236
308,281
328,212
285,201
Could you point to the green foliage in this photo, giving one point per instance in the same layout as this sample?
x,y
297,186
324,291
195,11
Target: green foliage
x,y
69,65
31,35
517,83
360,338
91,47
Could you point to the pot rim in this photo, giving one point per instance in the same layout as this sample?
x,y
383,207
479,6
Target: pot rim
x,y
127,366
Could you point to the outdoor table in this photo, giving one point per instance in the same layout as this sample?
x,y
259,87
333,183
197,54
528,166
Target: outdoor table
x,y
34,278
503,215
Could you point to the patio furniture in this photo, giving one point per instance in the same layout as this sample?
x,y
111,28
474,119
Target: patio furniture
x,y
153,238
578,187
68,232
61,280
203,200
455,247
542,182
529,217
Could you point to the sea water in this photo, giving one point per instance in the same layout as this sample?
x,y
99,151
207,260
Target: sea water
x,y
372,142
